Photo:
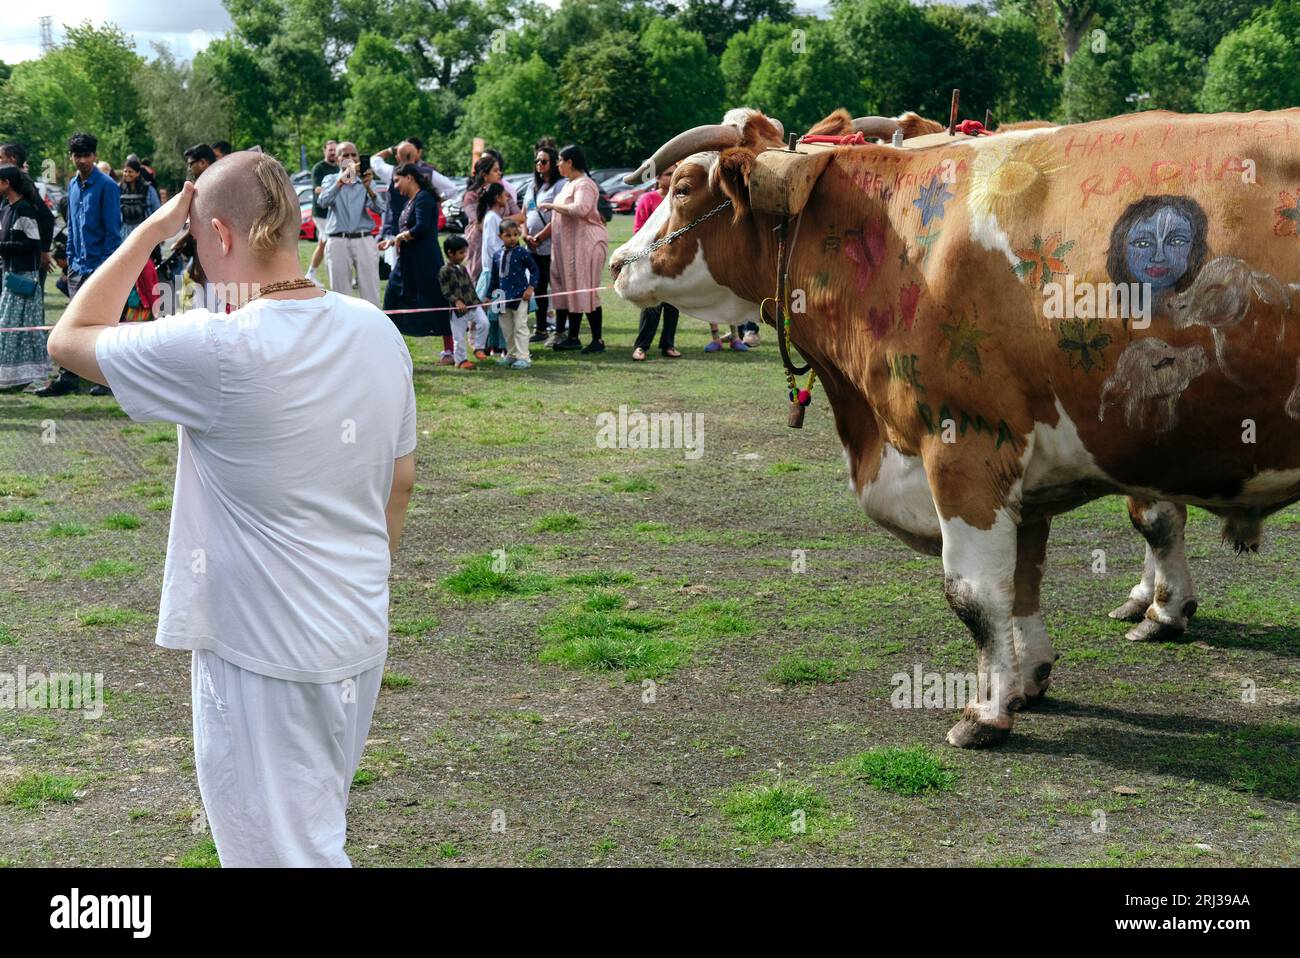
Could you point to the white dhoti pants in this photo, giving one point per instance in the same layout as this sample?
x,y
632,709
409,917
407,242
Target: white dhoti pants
x,y
275,761
460,331
344,254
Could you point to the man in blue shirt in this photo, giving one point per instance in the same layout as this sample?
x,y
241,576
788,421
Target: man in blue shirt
x,y
94,232
348,197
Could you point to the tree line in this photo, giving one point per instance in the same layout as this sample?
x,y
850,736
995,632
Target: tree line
x,y
621,76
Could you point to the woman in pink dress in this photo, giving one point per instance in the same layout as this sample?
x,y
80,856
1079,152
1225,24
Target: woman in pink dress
x,y
578,246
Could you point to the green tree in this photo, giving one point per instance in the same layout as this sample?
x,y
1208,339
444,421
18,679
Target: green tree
x,y
515,104
181,110
1097,85
719,20
87,83
448,39
743,54
685,82
233,68
889,39
39,107
106,57
803,76
1169,74
605,100
579,22
384,104
1254,67
302,86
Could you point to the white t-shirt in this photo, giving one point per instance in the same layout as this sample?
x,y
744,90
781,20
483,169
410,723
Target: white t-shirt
x,y
290,415
492,240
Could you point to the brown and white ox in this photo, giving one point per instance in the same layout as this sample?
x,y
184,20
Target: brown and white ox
x,y
1163,601
971,407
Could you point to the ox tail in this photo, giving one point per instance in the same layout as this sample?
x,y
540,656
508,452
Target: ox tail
x,y
1243,528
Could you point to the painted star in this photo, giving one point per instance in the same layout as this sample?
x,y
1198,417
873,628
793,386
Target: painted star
x,y
963,344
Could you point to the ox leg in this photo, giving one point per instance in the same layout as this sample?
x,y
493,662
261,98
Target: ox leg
x,y
1140,596
1172,597
979,568
1033,646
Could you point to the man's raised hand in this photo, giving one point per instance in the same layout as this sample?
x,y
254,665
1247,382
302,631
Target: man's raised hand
x,y
169,219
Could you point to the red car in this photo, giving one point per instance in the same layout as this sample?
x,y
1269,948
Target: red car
x,y
624,201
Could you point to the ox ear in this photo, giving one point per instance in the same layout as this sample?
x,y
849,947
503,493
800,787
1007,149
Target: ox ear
x,y
734,168
914,125
761,132
1269,290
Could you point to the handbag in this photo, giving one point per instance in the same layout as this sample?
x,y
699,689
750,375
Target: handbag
x,y
22,285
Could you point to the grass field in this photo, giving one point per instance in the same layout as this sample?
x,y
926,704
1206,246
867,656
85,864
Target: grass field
x,y
638,676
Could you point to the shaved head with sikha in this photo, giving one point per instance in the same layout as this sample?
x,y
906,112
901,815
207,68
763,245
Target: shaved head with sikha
x,y
245,218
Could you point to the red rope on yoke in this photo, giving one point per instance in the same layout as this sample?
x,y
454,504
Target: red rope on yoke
x,y
849,139
391,312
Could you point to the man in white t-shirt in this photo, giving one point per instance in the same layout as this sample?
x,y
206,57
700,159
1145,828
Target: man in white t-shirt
x,y
295,464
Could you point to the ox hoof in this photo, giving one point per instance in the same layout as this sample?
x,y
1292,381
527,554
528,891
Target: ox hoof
x,y
1133,610
1149,630
969,733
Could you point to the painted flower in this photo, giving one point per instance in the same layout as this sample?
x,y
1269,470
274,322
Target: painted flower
x,y
1043,261
1085,343
932,200
1288,214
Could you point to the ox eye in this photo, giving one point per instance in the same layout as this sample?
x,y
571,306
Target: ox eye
x,y
1167,361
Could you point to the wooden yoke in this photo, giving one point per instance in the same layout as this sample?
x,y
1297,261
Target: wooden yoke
x,y
782,180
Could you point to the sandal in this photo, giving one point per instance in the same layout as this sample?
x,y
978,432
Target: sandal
x,y
638,355
671,353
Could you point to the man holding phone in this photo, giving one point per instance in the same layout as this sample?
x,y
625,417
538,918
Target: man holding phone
x,y
347,195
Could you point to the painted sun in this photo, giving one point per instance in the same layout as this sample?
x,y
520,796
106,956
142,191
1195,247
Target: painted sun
x,y
1007,175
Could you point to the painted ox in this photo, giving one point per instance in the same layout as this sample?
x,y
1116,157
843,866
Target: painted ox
x,y
1163,601
942,262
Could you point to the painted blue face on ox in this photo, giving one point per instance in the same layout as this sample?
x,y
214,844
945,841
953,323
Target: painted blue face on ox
x,y
1158,247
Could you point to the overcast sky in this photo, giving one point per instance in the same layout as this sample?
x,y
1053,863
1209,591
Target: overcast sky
x,y
185,26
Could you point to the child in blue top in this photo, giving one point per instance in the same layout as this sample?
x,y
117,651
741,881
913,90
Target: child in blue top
x,y
514,274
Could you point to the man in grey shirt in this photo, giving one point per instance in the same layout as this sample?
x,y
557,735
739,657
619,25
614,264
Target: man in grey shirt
x,y
347,196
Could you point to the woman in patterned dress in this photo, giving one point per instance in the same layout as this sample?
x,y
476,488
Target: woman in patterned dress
x,y
579,242
23,358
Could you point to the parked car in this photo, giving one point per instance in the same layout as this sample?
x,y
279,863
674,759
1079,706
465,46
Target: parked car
x,y
301,177
624,201
605,173
51,193
453,215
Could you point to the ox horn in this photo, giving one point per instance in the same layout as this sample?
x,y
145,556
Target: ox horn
x,y
876,127
683,145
